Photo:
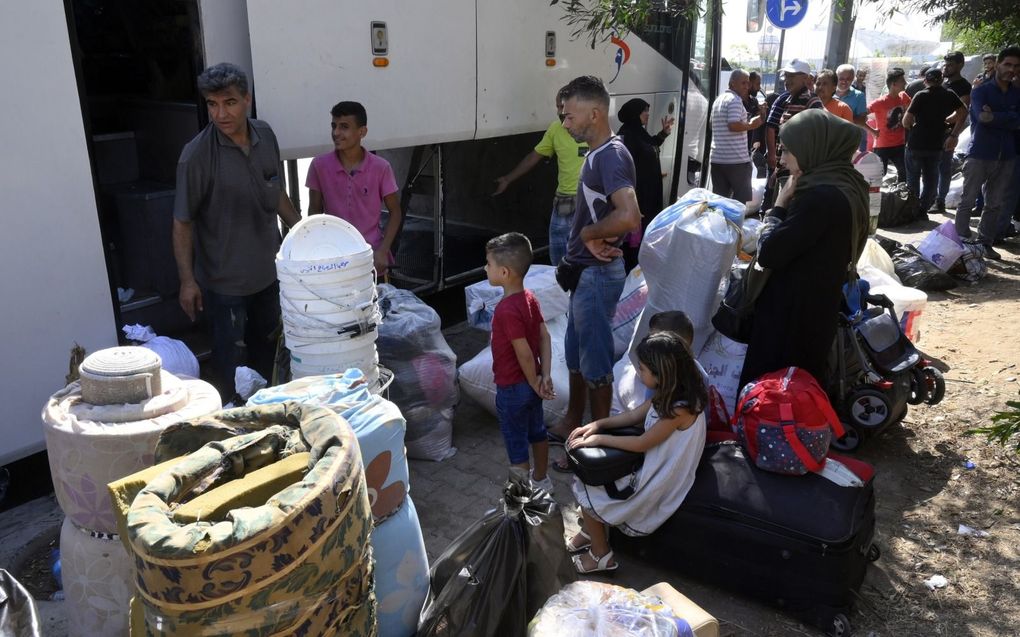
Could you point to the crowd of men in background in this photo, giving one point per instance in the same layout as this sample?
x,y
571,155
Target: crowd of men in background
x,y
915,126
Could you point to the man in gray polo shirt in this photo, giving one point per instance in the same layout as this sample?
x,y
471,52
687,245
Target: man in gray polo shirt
x,y
225,232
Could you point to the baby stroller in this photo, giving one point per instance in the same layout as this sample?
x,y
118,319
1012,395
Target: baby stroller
x,y
877,370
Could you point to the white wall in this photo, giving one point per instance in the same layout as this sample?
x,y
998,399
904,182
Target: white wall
x,y
310,55
55,288
225,33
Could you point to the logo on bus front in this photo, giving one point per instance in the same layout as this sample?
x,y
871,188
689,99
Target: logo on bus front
x,y
622,55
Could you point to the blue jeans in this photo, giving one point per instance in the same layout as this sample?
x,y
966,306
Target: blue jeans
x,y
242,333
521,421
588,343
923,166
559,228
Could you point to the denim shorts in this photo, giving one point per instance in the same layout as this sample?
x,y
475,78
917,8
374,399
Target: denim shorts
x,y
521,421
588,343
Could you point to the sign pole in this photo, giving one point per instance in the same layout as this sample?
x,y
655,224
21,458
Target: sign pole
x,y
779,59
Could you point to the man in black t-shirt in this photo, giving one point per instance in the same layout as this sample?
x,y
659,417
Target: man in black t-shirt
x,y
956,83
916,86
928,134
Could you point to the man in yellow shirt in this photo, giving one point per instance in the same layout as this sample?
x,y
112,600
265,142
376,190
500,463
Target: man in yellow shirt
x,y
569,159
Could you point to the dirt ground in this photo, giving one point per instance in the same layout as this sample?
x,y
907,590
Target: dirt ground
x,y
925,490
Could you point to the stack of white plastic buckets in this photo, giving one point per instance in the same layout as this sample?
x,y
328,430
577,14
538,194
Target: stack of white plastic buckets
x,y
328,298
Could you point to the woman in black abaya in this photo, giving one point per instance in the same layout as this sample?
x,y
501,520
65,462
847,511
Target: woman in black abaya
x,y
644,148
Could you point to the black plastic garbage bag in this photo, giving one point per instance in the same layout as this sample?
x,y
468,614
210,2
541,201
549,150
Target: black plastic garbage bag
x,y
917,272
899,207
18,615
499,572
889,245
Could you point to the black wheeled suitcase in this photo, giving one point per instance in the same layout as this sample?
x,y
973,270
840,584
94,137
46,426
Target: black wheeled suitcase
x,y
800,542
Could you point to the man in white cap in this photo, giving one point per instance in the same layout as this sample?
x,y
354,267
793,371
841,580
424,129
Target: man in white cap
x,y
796,75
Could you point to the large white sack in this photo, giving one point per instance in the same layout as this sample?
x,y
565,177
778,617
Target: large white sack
x,y
955,193
482,298
876,277
757,192
749,234
686,256
476,376
876,257
628,311
723,360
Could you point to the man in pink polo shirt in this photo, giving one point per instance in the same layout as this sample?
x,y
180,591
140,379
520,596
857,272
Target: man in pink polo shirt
x,y
353,184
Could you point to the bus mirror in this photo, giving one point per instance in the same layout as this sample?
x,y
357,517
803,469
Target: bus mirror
x,y
755,15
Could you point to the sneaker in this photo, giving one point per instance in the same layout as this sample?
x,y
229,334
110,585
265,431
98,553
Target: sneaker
x,y
991,253
544,484
938,208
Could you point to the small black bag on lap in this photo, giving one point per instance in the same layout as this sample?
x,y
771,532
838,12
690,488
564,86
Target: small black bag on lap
x,y
603,466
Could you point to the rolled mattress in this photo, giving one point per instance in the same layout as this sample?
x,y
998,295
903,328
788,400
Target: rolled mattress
x,y
299,563
90,446
377,423
97,582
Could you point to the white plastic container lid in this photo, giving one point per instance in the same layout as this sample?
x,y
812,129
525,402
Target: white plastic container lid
x,y
322,236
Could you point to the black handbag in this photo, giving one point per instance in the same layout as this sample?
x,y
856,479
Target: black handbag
x,y
603,466
735,315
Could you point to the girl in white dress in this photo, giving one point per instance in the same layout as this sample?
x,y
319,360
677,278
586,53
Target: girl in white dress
x,y
673,439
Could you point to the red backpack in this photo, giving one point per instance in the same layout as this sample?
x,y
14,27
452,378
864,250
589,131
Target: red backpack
x,y
785,422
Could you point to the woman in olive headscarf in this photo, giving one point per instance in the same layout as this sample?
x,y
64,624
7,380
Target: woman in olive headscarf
x,y
643,147
810,244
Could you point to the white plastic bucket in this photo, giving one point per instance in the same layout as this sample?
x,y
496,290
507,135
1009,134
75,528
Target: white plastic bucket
x,y
328,271
368,366
310,289
870,167
329,325
322,237
331,346
354,300
352,351
909,304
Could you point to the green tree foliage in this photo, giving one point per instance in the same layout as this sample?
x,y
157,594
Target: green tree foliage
x,y
1005,427
983,23
598,20
989,37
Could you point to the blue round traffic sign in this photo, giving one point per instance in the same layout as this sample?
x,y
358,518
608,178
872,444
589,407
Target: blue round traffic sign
x,y
785,14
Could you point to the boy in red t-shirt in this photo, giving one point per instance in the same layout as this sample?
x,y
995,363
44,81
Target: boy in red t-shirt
x,y
521,358
891,137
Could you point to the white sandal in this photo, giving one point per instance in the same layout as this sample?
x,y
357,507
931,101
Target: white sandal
x,y
602,564
577,549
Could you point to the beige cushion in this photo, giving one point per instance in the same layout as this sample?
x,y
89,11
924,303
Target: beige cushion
x,y
704,625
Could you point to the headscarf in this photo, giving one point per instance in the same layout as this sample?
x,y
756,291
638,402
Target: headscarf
x,y
630,113
630,121
824,145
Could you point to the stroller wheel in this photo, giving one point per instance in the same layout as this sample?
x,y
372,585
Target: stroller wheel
x,y
849,442
936,384
869,408
919,387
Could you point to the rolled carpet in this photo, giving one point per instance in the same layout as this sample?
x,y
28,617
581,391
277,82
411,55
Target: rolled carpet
x,y
298,564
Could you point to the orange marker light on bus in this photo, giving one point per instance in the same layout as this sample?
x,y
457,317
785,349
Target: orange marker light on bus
x,y
550,62
380,62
